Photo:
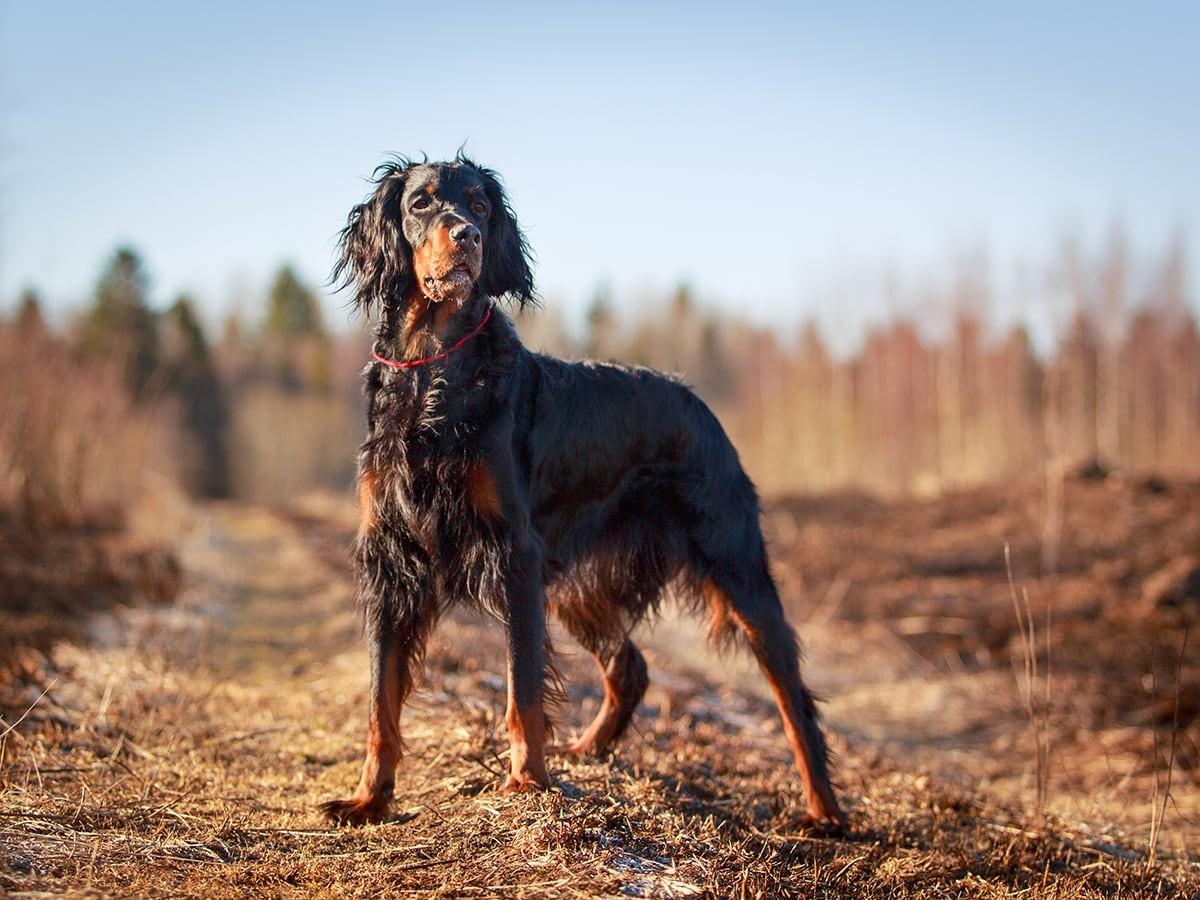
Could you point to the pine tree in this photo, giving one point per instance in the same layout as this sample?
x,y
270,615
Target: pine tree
x,y
601,326
189,347
294,337
292,308
191,375
120,323
28,320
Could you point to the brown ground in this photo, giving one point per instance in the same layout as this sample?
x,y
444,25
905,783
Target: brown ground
x,y
184,748
52,578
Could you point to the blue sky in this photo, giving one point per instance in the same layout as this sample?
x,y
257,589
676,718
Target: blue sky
x,y
780,158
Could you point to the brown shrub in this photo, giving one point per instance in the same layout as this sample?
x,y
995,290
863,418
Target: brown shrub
x,y
73,446
285,442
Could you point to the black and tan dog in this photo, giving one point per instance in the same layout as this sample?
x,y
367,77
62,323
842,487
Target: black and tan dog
x,y
528,486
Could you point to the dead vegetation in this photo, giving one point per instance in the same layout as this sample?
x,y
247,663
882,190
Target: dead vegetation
x,y
930,576
53,579
88,508
186,752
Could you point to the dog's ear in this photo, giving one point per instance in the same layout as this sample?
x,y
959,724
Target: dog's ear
x,y
507,269
374,259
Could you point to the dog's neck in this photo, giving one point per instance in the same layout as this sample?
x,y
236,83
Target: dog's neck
x,y
420,327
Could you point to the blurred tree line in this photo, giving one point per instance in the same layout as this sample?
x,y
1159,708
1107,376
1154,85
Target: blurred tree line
x,y
912,411
256,390
272,408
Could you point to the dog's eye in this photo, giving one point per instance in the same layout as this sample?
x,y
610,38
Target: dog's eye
x,y
422,202
480,207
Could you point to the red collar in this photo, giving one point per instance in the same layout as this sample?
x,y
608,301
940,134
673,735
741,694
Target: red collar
x,y
413,363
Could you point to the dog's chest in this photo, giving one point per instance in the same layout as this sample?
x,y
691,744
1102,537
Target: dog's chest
x,y
432,447
433,418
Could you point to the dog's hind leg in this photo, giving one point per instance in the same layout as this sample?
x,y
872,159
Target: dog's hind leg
x,y
752,604
601,631
625,681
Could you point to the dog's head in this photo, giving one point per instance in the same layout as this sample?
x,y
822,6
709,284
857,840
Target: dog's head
x,y
442,229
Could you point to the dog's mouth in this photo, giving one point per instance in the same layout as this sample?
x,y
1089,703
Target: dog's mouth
x,y
454,282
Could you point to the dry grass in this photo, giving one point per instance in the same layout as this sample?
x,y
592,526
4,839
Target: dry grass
x,y
283,442
88,501
74,449
186,751
1037,703
927,637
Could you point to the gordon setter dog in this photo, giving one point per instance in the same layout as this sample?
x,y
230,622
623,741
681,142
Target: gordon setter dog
x,y
529,486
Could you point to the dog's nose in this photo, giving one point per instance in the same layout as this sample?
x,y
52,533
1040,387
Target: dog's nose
x,y
465,235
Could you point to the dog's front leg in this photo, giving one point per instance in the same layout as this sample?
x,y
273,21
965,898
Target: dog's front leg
x,y
400,613
525,609
391,682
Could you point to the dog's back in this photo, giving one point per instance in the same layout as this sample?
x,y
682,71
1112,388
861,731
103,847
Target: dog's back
x,y
634,483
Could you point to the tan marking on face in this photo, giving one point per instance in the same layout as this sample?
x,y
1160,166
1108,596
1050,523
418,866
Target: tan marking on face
x,y
436,256
423,256
442,271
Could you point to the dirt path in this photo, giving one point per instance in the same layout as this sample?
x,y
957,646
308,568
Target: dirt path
x,y
185,751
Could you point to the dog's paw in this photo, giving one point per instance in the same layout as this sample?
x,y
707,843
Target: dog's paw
x,y
825,821
523,782
583,748
355,811
597,740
